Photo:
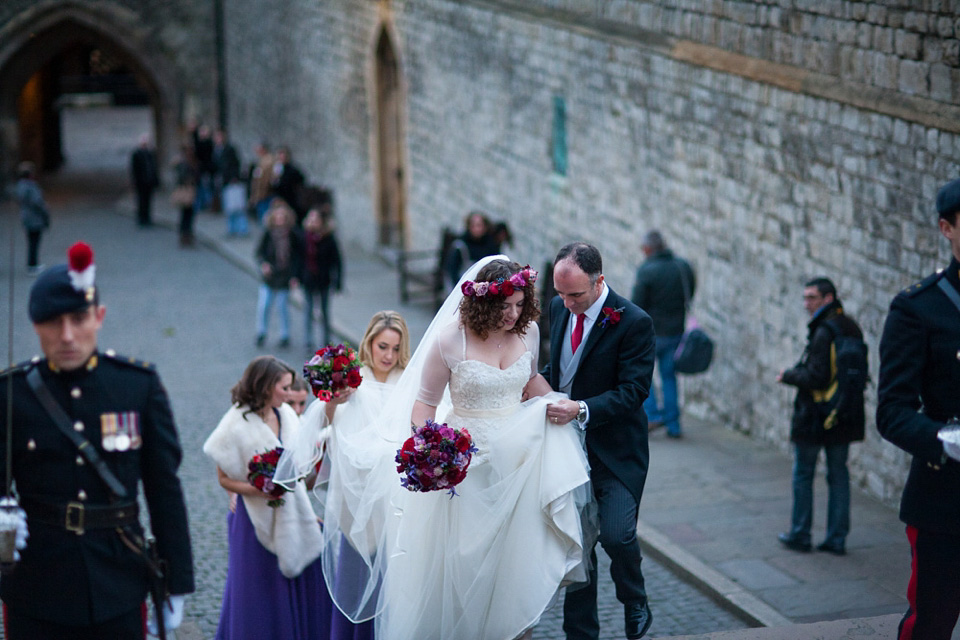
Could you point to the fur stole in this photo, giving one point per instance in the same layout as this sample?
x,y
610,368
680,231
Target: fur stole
x,y
290,531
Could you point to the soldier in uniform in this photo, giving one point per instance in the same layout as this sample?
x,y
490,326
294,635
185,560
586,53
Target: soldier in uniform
x,y
919,393
84,572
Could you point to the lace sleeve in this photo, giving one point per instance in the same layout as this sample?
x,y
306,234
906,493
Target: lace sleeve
x,y
436,367
532,341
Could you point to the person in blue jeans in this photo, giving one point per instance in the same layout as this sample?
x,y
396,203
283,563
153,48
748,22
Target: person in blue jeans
x,y
663,288
280,256
815,377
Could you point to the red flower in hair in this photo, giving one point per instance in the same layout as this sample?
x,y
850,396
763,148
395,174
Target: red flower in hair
x,y
80,256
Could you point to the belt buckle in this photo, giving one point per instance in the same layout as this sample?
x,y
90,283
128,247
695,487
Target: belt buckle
x,y
73,521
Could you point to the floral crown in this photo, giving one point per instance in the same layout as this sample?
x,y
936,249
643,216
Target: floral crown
x,y
500,286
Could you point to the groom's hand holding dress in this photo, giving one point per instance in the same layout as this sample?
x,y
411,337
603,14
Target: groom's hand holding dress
x,y
602,354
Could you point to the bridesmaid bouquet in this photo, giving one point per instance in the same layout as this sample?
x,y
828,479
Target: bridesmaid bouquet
x,y
435,457
331,370
262,467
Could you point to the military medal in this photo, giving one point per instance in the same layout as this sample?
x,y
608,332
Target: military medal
x,y
108,431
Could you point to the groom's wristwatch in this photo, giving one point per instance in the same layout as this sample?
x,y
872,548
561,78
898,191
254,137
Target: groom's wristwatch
x,y
582,416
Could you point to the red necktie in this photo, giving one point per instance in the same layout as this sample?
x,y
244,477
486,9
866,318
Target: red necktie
x,y
577,334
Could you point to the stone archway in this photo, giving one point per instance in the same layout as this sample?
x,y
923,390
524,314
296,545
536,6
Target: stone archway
x,y
31,43
391,191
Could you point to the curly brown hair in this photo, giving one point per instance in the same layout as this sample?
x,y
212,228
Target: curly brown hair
x,y
484,314
256,386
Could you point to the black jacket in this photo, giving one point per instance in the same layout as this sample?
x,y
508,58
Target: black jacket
x,y
322,264
814,377
85,579
280,276
659,290
614,377
918,393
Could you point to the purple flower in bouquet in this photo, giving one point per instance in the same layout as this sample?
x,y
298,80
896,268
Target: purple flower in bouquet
x,y
435,457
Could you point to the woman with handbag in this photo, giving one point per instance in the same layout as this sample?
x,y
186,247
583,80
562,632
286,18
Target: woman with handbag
x,y
184,194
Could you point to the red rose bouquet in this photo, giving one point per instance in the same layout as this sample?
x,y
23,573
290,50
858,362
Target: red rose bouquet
x,y
262,467
331,370
435,457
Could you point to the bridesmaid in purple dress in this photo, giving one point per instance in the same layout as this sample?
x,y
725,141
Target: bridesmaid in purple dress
x,y
275,586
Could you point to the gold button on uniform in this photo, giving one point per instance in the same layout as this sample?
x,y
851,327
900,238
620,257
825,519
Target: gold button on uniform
x,y
78,426
81,495
31,444
79,461
75,393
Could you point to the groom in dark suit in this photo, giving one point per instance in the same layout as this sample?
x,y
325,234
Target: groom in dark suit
x,y
602,349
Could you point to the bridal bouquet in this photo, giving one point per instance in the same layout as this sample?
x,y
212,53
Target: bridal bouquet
x,y
331,370
435,457
262,467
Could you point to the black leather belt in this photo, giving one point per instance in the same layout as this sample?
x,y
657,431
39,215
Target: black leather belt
x,y
79,517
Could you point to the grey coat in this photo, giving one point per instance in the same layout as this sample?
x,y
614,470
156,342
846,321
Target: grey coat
x,y
659,290
33,210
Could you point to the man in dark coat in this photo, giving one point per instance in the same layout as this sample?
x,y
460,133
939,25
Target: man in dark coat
x,y
601,355
815,377
146,179
918,397
288,182
83,573
663,288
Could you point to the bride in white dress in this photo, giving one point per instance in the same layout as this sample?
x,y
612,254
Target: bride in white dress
x,y
486,563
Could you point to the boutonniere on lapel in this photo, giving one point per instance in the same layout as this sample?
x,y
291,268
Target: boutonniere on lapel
x,y
611,316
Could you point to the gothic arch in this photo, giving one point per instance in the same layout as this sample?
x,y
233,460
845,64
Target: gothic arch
x,y
35,37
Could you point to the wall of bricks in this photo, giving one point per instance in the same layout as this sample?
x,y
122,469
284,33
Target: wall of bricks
x,y
760,187
757,176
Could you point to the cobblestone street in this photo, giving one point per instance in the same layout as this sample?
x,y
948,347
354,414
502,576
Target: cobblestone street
x,y
191,312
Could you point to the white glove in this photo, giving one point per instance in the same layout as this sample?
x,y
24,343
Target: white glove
x,y
950,437
14,519
172,615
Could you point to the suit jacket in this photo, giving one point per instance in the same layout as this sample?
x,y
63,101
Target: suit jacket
x,y
917,394
79,580
613,378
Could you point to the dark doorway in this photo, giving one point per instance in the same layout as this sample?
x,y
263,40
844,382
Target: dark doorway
x,y
390,147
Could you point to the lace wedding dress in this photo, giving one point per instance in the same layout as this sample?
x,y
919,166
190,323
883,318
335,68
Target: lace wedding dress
x,y
481,565
486,563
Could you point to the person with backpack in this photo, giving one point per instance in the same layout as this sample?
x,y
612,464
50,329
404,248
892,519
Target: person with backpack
x,y
827,414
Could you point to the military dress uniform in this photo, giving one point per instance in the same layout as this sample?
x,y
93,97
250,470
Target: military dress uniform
x,y
77,570
919,391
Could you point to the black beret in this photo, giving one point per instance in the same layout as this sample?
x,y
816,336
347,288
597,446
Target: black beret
x,y
53,294
948,199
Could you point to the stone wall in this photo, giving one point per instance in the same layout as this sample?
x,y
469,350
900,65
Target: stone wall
x,y
764,157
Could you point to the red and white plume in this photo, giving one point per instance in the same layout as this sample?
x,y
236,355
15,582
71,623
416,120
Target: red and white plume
x,y
80,266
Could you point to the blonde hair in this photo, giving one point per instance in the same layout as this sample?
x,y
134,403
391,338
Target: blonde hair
x,y
380,321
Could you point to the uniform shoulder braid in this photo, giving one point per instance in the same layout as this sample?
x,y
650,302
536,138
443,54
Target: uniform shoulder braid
x,y
113,356
923,285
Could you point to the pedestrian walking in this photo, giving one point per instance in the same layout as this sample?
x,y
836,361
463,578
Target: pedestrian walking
x,y
185,193
917,410
90,427
33,213
261,177
143,169
280,256
322,270
664,287
226,164
817,379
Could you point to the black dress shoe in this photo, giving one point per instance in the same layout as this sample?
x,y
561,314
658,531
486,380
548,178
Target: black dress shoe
x,y
792,543
835,549
636,619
